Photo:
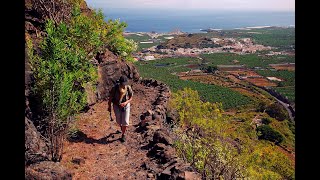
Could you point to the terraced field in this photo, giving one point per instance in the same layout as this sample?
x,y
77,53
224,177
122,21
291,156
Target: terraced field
x,y
250,60
208,92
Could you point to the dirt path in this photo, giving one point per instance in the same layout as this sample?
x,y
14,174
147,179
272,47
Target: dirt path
x,y
100,154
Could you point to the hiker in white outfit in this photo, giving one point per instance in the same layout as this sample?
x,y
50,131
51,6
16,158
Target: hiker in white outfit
x,y
121,96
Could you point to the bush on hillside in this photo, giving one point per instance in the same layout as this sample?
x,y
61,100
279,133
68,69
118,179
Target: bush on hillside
x,y
204,144
117,43
209,69
267,133
220,149
262,106
277,111
266,121
276,165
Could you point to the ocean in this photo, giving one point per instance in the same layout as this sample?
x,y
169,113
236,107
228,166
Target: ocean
x,y
192,21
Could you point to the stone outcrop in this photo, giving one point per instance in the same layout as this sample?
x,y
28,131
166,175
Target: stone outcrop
x,y
161,136
110,68
35,147
179,170
159,107
154,125
91,95
47,170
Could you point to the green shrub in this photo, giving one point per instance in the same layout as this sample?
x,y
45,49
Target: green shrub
x,y
211,154
292,126
262,106
266,121
277,111
267,133
61,70
220,148
116,41
209,69
274,163
72,131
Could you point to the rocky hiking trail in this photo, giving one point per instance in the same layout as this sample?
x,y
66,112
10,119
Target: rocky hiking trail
x,y
98,153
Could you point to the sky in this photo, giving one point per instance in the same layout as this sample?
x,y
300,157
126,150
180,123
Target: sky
x,y
266,5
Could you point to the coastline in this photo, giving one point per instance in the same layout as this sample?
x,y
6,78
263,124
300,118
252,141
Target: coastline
x,y
208,30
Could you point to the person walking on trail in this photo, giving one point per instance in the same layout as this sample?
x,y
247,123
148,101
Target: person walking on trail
x,y
121,96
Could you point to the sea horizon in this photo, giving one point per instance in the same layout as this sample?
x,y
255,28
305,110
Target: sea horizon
x,y
193,21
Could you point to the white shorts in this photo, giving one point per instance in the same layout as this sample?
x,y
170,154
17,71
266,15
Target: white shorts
x,y
122,115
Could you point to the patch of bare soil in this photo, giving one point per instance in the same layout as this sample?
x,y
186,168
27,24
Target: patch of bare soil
x,y
262,82
99,154
289,67
209,79
250,93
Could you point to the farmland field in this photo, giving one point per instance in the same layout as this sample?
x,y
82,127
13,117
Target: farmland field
x,y
287,76
141,38
250,60
283,38
289,67
138,38
285,88
208,92
227,81
261,82
145,37
288,92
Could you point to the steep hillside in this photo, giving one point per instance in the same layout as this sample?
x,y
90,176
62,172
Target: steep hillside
x,y
91,149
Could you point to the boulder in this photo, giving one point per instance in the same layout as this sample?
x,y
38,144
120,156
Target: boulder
x,y
110,68
159,147
35,147
166,174
191,175
161,136
150,175
153,127
149,112
171,116
156,117
145,166
180,171
47,170
163,153
168,155
91,95
78,160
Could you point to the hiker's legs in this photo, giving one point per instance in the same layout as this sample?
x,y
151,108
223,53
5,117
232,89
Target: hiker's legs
x,y
123,129
125,120
117,113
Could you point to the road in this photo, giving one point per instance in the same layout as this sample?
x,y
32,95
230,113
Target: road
x,y
285,105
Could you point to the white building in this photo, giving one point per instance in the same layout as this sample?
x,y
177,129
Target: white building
x,y
148,58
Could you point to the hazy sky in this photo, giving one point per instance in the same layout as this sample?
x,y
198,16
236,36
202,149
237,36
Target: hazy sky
x,y
275,5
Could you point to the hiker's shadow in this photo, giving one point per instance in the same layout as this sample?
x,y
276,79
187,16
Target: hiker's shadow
x,y
82,137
